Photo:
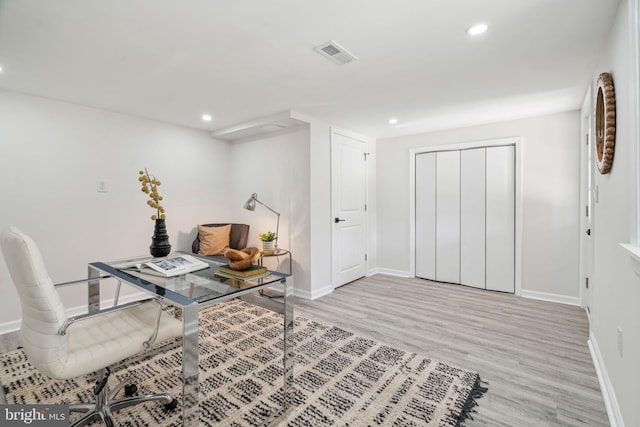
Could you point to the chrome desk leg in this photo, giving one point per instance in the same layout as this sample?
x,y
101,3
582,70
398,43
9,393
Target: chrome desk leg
x,y
288,341
93,290
190,409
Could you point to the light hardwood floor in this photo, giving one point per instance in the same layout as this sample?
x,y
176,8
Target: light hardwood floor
x,y
532,354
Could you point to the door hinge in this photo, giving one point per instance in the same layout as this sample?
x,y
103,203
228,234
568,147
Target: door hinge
x,y
365,257
587,210
365,207
586,282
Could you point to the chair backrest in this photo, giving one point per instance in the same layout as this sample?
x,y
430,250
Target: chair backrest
x,y
237,238
42,310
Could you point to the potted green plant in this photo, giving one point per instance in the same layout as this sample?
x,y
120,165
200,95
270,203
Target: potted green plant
x,y
267,240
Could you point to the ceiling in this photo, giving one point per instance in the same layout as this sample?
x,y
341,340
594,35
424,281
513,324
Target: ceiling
x,y
173,60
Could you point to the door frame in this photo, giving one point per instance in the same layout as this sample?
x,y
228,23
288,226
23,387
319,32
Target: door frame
x,y
587,174
517,143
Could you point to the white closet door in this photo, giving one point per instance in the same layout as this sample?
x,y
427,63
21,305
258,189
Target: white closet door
x,y
472,217
426,216
448,216
500,228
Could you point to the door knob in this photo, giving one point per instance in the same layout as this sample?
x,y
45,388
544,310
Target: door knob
x,y
588,232
336,219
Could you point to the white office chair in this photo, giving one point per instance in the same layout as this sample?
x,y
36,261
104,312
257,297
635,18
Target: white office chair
x,y
62,347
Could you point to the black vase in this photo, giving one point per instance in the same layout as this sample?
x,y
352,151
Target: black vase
x,y
160,241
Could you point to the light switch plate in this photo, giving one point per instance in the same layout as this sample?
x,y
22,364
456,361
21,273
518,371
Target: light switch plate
x,y
102,186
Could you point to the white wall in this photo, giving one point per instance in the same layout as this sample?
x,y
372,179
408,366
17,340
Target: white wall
x,y
276,167
321,226
52,155
550,192
616,289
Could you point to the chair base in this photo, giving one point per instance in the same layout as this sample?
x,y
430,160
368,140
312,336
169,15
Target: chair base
x,y
105,403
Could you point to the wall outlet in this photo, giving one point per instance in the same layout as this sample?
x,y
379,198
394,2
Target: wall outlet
x,y
620,341
102,186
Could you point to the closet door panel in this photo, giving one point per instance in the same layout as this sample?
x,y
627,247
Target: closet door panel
x,y
500,218
426,216
472,217
448,216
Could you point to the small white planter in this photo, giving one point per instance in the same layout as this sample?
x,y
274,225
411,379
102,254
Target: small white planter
x,y
267,246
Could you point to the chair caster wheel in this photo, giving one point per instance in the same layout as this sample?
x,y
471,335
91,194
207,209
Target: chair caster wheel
x,y
130,390
171,406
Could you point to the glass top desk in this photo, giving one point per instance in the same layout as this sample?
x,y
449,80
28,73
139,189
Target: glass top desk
x,y
193,291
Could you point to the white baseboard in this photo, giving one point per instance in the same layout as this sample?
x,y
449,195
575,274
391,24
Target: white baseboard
x,y
545,296
8,327
609,395
391,272
314,294
372,271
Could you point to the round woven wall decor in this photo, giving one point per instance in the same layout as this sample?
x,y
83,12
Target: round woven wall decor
x,y
605,123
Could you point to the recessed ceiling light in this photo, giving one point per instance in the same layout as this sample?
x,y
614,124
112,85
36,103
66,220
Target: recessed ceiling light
x,y
477,29
0,68
207,117
393,121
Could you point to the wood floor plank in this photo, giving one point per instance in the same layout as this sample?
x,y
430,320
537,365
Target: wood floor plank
x,y
533,354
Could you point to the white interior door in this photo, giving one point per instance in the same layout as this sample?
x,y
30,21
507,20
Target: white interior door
x,y
448,216
500,218
348,194
426,215
472,217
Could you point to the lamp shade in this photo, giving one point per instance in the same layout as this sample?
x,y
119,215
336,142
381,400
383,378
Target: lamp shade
x,y
250,204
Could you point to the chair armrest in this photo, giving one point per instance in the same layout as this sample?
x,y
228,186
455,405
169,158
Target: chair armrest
x,y
72,320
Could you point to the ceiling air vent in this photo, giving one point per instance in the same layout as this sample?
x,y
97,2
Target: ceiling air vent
x,y
335,52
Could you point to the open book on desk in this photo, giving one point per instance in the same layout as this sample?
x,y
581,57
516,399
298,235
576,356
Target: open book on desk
x,y
170,267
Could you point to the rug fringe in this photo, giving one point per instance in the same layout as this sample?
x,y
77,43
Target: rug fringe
x,y
469,406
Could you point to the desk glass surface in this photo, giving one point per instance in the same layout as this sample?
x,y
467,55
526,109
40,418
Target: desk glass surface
x,y
201,286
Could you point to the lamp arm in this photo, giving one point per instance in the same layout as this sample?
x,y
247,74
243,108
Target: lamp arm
x,y
277,213
255,198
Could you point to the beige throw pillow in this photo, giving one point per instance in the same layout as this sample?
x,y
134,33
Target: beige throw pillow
x,y
214,240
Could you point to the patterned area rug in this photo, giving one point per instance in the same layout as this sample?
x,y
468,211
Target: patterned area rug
x,y
340,379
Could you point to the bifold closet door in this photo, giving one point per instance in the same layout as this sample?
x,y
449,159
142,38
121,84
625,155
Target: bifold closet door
x,y
426,215
472,217
448,216
465,217
500,218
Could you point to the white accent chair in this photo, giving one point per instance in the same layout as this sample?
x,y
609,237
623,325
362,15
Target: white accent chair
x,y
61,347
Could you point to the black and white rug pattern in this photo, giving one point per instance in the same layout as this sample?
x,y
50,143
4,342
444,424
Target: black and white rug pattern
x,y
341,379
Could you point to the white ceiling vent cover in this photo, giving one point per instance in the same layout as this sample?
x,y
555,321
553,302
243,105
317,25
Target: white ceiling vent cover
x,y
335,52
